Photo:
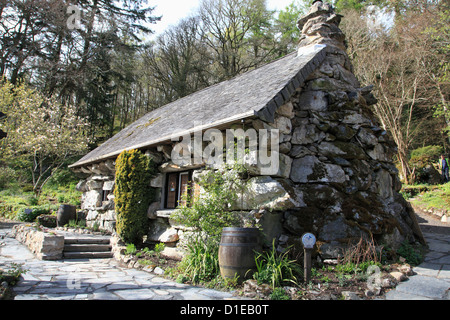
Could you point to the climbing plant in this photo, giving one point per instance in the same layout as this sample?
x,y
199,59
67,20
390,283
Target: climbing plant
x,y
133,194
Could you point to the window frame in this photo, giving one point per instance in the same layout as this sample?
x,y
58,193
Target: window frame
x,y
177,187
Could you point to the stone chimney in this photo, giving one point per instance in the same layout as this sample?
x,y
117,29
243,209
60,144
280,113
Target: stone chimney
x,y
342,164
321,26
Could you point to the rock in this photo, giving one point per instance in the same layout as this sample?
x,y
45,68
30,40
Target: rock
x,y
300,222
158,181
314,100
81,186
152,209
266,192
283,124
94,185
173,253
158,271
384,184
300,152
161,231
271,223
388,283
348,295
285,147
310,169
307,134
342,132
406,270
378,153
286,110
91,199
108,185
168,236
398,276
367,137
46,246
345,150
338,229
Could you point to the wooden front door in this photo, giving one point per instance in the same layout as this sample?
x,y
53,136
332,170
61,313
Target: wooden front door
x,y
172,190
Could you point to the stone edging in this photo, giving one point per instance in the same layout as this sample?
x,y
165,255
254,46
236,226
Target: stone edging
x,y
45,245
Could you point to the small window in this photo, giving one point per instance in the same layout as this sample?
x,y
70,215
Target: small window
x,y
105,195
178,186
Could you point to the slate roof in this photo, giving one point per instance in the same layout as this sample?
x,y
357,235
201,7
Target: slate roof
x,y
256,93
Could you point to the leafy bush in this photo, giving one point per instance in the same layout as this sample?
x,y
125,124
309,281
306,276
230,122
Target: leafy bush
x,y
412,256
207,214
6,176
202,261
30,214
131,249
275,268
279,294
421,158
132,194
62,177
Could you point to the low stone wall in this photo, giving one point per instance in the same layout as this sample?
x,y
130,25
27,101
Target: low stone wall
x,y
46,246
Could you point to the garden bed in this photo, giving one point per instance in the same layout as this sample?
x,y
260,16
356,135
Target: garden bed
x,y
329,281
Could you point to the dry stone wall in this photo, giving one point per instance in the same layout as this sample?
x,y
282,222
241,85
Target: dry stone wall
x,y
46,246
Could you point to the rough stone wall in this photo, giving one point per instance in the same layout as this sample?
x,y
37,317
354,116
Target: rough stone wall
x,y
342,171
46,246
96,211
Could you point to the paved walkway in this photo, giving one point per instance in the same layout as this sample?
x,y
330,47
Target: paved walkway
x,y
104,279
432,278
91,279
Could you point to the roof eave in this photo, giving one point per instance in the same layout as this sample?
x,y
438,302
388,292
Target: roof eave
x,y
172,137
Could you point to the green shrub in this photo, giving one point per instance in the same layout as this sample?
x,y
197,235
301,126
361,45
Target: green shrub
x,y
279,294
202,261
131,249
62,177
132,194
412,256
6,176
275,268
209,212
422,157
30,214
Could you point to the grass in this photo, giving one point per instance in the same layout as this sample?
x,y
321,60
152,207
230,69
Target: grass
x,y
436,197
17,198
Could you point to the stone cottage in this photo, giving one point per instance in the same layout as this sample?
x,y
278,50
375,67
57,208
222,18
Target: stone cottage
x,y
334,175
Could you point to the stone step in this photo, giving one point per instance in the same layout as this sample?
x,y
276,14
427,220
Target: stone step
x,y
87,255
89,247
92,240
85,247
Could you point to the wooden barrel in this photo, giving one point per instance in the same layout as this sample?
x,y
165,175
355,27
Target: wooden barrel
x,y
66,213
237,252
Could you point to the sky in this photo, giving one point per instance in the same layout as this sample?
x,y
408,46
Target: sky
x,y
174,10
